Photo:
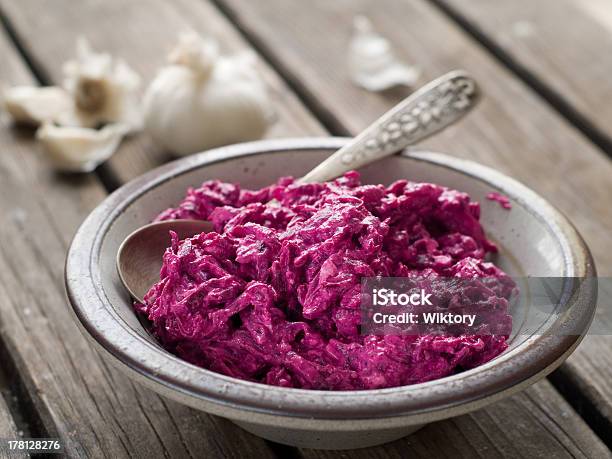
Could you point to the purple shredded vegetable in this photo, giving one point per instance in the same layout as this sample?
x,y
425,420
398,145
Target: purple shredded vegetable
x,y
503,201
273,295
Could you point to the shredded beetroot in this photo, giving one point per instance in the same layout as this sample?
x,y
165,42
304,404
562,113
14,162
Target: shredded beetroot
x,y
273,295
501,199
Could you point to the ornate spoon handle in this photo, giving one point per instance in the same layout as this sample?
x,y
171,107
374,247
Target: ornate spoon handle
x,y
430,109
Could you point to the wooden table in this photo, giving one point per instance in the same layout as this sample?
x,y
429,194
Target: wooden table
x,y
546,119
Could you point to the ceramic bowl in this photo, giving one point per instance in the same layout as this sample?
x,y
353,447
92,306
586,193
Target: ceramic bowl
x,y
536,240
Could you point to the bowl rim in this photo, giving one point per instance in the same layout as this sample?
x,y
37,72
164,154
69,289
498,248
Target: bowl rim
x,y
536,356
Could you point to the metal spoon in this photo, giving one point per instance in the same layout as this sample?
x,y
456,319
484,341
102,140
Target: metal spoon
x,y
427,111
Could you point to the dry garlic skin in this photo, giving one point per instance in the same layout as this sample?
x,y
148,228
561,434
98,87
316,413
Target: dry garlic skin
x,y
79,149
34,105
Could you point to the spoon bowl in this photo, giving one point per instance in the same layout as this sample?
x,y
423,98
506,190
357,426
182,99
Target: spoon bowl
x,y
140,256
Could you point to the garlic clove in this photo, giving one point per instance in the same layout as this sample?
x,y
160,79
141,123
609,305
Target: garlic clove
x,y
34,105
79,149
372,63
105,90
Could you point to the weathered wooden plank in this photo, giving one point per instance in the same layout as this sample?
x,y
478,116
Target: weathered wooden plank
x,y
563,43
8,428
512,130
8,399
134,420
96,411
142,32
532,426
486,433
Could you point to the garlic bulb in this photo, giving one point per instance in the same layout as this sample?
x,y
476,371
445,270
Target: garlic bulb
x,y
203,100
35,105
78,149
104,89
371,61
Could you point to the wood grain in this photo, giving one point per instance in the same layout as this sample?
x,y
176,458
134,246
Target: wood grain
x,y
563,43
95,410
126,411
486,433
142,32
8,429
513,130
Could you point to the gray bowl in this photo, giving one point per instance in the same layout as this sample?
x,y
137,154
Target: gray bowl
x,y
536,240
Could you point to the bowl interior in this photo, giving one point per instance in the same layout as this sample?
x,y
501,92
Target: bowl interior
x,y
528,243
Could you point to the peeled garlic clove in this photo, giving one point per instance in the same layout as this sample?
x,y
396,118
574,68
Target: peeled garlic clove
x,y
104,89
371,61
204,100
34,105
78,149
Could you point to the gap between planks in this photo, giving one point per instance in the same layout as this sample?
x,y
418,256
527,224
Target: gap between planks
x,y
230,435
562,379
326,117
107,178
18,419
559,103
26,420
